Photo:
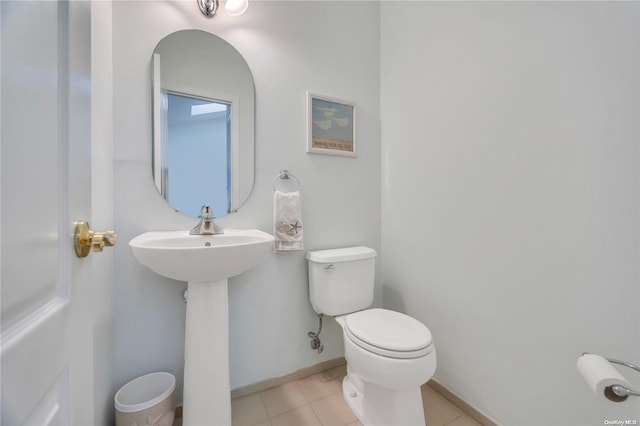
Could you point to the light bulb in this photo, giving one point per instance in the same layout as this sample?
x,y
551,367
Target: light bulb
x,y
236,7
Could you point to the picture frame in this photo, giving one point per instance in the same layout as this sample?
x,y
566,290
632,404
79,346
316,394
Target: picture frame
x,y
331,126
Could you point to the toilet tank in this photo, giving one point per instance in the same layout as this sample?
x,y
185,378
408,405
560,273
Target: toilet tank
x,y
341,280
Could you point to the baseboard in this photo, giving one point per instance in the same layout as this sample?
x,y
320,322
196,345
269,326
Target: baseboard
x,y
466,408
296,375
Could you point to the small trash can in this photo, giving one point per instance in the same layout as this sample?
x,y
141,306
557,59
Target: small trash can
x,y
146,401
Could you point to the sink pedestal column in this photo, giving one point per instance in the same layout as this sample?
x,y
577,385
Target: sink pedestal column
x,y
207,398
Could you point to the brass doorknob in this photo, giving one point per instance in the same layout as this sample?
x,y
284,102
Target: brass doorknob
x,y
85,240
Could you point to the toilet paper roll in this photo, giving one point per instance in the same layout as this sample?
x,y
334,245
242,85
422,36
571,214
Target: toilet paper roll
x,y
600,375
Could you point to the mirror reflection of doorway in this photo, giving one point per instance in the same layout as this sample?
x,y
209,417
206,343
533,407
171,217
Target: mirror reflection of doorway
x,y
198,147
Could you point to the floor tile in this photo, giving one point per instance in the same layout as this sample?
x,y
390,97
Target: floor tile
x,y
320,385
317,401
438,411
248,411
303,416
283,398
333,411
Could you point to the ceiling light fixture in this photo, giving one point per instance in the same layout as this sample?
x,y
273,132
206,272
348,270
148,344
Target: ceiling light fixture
x,y
236,7
208,7
233,7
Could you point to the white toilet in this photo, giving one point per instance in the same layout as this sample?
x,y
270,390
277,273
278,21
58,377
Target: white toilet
x,y
389,354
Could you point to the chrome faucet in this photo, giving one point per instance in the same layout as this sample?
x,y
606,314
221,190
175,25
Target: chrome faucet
x,y
206,226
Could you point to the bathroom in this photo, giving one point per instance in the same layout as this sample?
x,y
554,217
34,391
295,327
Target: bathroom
x,y
497,177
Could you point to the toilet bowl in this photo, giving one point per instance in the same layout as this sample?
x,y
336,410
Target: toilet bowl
x,y
386,367
389,354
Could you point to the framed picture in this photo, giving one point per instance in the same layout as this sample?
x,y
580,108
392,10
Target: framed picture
x,y
331,126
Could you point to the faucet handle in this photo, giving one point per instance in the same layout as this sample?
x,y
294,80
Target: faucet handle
x,y
206,212
206,226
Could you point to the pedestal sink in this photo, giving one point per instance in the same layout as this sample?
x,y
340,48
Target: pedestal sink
x,y
205,262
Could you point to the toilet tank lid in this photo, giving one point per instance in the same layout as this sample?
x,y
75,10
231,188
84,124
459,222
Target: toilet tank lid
x,y
341,255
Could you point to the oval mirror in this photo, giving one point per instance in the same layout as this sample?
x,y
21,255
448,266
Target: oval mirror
x,y
203,123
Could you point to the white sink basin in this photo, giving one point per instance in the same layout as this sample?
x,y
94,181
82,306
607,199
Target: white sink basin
x,y
205,262
201,258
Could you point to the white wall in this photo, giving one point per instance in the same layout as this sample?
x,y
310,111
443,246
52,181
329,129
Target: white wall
x,y
291,47
511,194
102,208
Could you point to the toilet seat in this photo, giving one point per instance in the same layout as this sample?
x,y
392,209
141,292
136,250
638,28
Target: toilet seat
x,y
388,333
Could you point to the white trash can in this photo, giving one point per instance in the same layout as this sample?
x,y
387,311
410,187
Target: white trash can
x,y
146,401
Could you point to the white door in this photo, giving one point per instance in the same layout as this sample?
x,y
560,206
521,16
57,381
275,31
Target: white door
x,y
46,343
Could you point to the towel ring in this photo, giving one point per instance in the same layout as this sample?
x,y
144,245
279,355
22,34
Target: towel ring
x,y
285,175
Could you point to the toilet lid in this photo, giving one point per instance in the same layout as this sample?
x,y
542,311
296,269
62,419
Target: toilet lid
x,y
388,333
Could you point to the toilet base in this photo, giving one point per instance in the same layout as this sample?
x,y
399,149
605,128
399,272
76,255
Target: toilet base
x,y
376,406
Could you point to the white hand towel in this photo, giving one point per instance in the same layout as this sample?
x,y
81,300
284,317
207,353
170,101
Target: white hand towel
x,y
287,221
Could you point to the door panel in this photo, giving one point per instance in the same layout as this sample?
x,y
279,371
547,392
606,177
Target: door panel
x,y
46,346
29,117
51,409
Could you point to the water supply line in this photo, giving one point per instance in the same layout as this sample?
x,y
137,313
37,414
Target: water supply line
x,y
315,337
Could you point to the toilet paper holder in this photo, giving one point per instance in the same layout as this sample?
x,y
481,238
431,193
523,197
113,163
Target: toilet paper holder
x,y
621,391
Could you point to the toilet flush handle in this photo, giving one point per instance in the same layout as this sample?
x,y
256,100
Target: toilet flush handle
x,y
330,268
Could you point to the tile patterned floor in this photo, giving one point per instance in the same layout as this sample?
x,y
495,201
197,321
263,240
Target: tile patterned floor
x,y
317,401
